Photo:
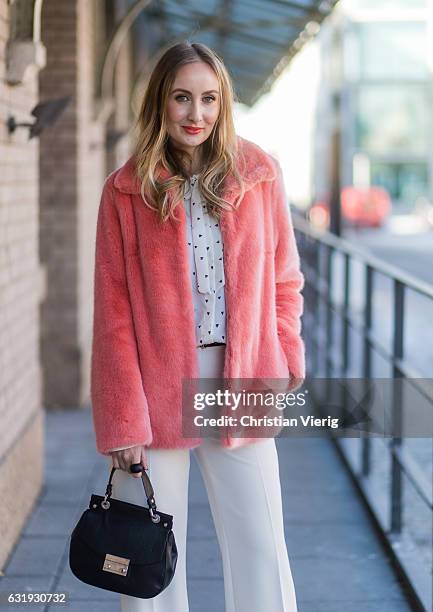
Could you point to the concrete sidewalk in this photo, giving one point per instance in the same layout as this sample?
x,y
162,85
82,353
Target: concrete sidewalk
x,y
337,561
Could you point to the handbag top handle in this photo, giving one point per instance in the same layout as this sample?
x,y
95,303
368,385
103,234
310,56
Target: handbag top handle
x,y
147,485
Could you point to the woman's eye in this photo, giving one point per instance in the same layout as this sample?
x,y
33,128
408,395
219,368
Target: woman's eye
x,y
181,96
211,98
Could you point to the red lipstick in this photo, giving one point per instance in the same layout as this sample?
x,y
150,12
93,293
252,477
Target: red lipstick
x,y
191,130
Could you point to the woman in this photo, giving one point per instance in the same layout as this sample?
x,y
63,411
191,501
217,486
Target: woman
x,y
196,277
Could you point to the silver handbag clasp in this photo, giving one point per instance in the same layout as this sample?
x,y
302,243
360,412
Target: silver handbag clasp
x,y
116,565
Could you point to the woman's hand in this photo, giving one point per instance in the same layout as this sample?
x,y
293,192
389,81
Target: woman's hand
x,y
123,459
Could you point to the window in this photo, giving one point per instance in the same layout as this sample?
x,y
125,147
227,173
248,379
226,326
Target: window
x,y
387,50
405,181
393,118
386,4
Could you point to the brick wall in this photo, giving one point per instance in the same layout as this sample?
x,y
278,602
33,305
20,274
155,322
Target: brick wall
x,y
21,289
72,171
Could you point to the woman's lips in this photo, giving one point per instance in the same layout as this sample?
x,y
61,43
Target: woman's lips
x,y
192,130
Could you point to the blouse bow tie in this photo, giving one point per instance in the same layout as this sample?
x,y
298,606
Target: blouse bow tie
x,y
208,256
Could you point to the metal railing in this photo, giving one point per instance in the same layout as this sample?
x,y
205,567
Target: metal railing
x,y
329,301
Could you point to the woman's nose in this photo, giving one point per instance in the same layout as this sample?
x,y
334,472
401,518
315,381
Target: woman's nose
x,y
195,113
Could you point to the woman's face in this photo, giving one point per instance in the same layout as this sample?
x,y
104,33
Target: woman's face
x,y
194,101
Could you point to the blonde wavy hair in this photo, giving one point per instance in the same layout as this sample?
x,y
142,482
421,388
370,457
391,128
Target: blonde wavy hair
x,y
154,150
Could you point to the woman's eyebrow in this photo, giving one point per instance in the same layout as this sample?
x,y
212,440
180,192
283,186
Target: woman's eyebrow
x,y
189,92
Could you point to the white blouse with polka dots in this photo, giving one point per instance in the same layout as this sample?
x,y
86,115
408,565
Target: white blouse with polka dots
x,y
205,248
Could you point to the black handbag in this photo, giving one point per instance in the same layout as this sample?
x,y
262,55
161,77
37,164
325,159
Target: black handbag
x,y
124,547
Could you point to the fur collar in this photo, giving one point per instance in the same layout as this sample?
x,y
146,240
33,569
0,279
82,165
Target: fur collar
x,y
257,166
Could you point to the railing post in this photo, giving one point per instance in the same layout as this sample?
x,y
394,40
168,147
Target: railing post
x,y
366,365
329,315
396,441
346,298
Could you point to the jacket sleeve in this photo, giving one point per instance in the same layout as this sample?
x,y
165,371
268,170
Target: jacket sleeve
x,y
289,281
119,405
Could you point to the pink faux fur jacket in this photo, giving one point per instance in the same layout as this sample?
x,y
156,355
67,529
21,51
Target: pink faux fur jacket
x,y
143,321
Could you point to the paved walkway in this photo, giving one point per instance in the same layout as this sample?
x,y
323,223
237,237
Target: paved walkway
x,y
337,562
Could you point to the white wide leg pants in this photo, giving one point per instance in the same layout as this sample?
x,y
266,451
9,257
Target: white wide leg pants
x,y
244,493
